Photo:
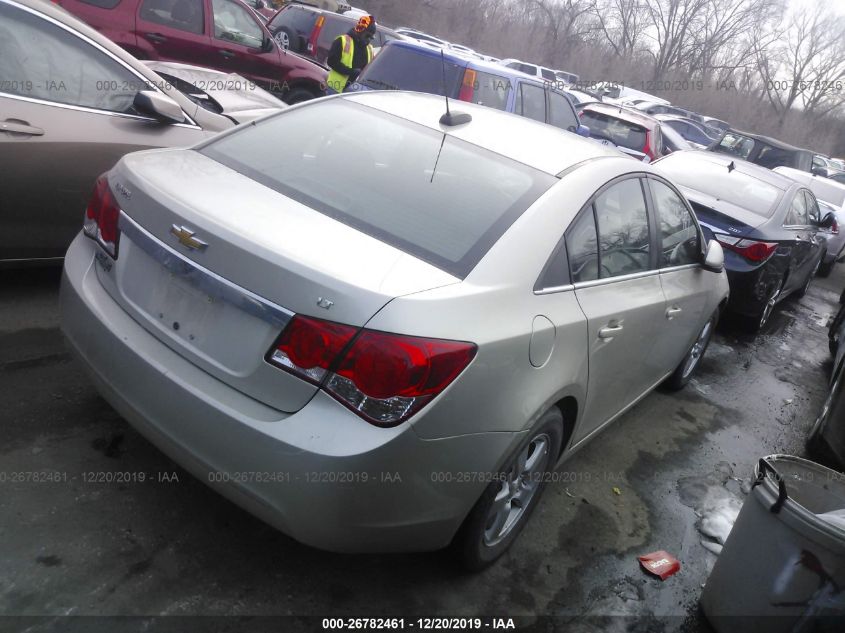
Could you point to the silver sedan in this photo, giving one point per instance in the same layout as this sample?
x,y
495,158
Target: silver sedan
x,y
382,330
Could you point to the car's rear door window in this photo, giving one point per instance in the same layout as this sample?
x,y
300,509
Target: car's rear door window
x,y
400,68
184,15
622,219
736,144
531,102
582,247
432,195
678,232
62,68
561,112
235,23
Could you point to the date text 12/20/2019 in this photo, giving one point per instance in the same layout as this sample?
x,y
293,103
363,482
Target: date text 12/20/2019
x,y
423,624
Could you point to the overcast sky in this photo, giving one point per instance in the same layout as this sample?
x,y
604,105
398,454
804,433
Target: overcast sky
x,y
837,5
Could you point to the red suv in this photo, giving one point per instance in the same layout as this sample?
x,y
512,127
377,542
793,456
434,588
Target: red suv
x,y
225,35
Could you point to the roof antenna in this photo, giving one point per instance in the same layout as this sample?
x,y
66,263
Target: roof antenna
x,y
450,119
731,166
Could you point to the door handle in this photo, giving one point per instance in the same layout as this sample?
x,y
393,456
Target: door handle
x,y
609,331
20,127
227,54
672,312
158,38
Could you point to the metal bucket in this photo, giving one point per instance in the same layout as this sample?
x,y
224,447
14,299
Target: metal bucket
x,y
782,568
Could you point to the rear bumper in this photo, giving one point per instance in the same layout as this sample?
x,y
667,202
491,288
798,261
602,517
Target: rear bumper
x,y
750,290
321,475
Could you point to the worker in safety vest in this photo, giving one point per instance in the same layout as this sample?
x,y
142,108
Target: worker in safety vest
x,y
350,53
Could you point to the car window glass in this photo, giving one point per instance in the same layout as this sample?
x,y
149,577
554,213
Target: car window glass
x,y
677,228
185,15
797,214
528,68
582,247
234,23
618,131
491,90
736,144
622,220
61,68
561,113
300,21
813,213
533,102
438,198
332,28
547,74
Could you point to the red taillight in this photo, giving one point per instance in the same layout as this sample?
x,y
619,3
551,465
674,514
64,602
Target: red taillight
x,y
647,148
385,378
318,26
308,347
750,249
101,217
467,86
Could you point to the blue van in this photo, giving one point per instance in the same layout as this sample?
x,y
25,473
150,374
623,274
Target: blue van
x,y
404,65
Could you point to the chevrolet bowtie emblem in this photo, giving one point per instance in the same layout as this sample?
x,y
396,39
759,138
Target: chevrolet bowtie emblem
x,y
186,238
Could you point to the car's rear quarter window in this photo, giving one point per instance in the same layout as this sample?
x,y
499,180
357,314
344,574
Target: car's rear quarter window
x,y
429,194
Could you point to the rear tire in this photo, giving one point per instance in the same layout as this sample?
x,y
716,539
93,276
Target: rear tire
x,y
692,359
504,507
825,268
756,323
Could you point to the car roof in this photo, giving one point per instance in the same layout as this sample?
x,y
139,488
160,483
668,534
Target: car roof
x,y
457,55
351,18
624,113
538,145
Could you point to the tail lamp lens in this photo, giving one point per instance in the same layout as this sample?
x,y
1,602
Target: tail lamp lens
x,y
384,378
468,85
750,249
101,217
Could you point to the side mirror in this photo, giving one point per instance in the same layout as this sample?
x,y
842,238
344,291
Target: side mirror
x,y
828,220
159,106
714,259
583,130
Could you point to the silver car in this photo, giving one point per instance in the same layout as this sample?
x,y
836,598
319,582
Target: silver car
x,y
381,332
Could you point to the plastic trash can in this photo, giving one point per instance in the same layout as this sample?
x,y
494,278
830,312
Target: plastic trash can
x,y
782,568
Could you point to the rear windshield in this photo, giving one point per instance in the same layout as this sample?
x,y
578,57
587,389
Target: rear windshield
x,y
428,194
400,68
714,179
621,132
333,27
298,19
735,145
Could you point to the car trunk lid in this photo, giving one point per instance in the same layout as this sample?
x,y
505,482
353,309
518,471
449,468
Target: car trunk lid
x,y
214,265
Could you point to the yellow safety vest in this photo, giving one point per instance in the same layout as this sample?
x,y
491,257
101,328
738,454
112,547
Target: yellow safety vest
x,y
336,81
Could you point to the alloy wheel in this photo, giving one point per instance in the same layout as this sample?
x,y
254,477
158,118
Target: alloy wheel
x,y
282,40
517,490
770,306
697,350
